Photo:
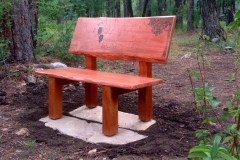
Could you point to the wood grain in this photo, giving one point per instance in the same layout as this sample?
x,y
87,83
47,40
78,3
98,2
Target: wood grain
x,y
91,89
109,111
103,78
145,108
55,98
134,39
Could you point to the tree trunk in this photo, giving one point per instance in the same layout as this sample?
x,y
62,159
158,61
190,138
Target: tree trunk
x,y
109,6
210,22
118,10
233,6
125,8
178,6
148,9
129,8
161,7
23,29
190,9
141,6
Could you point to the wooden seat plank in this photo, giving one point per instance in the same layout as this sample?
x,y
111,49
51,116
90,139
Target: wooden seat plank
x,y
103,78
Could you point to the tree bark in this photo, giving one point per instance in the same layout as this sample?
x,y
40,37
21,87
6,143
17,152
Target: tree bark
x,y
147,8
23,29
109,8
141,6
128,12
190,9
233,6
125,8
118,10
210,22
178,6
161,7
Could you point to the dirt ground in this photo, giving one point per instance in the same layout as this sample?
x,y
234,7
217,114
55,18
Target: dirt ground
x,y
170,138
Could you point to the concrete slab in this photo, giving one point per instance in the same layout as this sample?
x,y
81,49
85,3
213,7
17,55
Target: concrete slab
x,y
125,120
90,132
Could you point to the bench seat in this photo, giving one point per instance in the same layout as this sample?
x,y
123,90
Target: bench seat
x,y
102,78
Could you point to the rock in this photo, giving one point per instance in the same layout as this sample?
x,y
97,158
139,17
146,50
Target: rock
x,y
182,125
80,67
3,93
50,66
23,84
70,87
215,40
23,68
44,66
22,132
93,151
228,49
186,56
31,79
58,65
216,125
18,151
4,129
40,81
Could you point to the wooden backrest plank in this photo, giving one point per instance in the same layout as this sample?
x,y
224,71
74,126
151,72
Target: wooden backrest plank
x,y
136,39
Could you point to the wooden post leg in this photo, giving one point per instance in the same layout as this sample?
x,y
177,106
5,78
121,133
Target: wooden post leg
x,y
55,98
110,111
91,95
91,89
145,110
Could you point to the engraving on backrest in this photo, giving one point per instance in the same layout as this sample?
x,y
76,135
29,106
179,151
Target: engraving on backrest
x,y
100,34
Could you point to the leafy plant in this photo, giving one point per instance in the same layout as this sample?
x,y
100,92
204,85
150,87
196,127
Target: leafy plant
x,y
236,24
225,143
5,7
209,152
30,144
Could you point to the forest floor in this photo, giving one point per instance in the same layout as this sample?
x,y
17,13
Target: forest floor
x,y
170,137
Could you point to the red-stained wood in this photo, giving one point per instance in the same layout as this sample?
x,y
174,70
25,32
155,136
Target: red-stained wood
x,y
109,111
55,98
91,89
145,69
103,78
142,39
145,109
136,39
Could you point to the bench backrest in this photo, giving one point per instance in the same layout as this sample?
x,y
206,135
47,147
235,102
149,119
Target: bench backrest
x,y
144,39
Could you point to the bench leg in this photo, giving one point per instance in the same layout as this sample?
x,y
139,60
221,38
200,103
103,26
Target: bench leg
x,y
145,110
55,98
91,95
109,111
91,89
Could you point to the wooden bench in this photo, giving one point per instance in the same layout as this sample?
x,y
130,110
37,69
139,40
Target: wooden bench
x,y
144,39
